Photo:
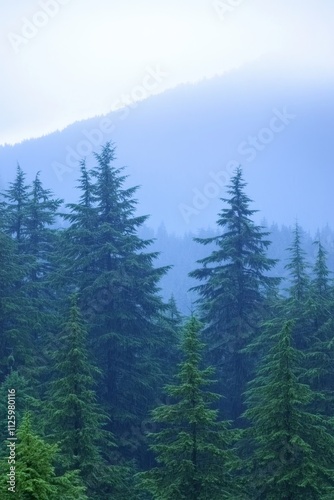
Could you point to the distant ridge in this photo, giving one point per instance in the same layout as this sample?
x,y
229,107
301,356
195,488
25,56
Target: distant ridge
x,y
179,146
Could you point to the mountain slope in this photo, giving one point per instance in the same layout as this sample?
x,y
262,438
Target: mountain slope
x,y
179,147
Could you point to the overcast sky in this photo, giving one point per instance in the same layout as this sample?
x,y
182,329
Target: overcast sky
x,y
65,60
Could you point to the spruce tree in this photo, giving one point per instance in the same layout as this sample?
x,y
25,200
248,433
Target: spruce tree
x,y
41,212
192,448
321,294
296,305
15,303
35,477
41,238
320,312
293,448
233,293
321,273
79,241
9,275
15,208
173,314
297,266
103,258
29,213
76,420
16,344
25,395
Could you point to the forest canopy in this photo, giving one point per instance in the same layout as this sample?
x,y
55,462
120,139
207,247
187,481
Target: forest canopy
x,y
122,391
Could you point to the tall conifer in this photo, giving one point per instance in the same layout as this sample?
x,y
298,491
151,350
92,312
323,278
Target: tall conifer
x,y
293,448
233,291
193,449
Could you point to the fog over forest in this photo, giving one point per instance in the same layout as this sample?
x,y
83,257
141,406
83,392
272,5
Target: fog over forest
x,y
167,250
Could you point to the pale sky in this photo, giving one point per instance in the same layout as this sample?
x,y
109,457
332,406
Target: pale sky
x,y
66,60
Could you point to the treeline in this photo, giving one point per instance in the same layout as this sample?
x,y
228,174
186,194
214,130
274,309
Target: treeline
x,y
183,251
119,396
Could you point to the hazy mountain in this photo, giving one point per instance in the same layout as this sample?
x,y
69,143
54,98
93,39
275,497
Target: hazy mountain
x,y
178,145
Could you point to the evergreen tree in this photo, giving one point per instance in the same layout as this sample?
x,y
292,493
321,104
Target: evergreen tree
x,y
35,477
14,225
173,313
25,396
320,283
28,214
108,264
79,241
297,305
76,420
15,208
233,292
40,243
193,449
320,302
41,216
293,454
320,312
297,266
16,345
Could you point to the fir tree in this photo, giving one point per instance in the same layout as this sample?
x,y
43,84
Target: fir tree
x,y
193,449
35,477
297,266
16,343
320,312
293,448
15,208
320,301
173,313
25,395
106,261
41,216
28,214
233,292
40,242
80,241
320,283
77,422
296,306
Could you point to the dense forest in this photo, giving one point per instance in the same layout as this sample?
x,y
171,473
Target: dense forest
x,y
125,389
